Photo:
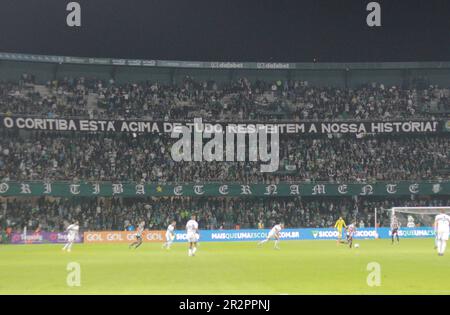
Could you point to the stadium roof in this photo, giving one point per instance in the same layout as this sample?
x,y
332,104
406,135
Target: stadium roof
x,y
222,65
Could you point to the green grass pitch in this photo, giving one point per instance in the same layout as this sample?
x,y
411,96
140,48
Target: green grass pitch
x,y
300,267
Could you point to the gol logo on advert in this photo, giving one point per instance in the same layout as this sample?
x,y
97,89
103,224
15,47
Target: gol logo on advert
x,y
121,237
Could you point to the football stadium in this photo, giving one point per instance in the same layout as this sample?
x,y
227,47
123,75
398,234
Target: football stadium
x,y
225,155
94,201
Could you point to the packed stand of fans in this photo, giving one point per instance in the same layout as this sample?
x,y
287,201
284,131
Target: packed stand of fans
x,y
66,99
240,99
122,157
118,157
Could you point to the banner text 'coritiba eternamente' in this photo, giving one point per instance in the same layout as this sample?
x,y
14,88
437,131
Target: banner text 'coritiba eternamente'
x,y
119,189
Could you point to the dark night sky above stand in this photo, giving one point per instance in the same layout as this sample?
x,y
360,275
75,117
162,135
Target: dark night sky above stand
x,y
251,30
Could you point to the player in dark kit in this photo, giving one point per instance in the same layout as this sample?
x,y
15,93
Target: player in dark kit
x,y
394,229
138,236
351,229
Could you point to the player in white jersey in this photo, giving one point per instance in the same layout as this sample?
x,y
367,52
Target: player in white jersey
x,y
395,226
442,229
275,234
72,233
170,235
138,235
192,235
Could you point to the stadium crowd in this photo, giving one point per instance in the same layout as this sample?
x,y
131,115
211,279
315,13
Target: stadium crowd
x,y
239,99
63,156
213,213
33,155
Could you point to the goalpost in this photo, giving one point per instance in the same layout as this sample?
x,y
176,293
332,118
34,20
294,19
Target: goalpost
x,y
420,210
411,216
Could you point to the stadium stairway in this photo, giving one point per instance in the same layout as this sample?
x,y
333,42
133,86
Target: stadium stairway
x,y
42,90
92,103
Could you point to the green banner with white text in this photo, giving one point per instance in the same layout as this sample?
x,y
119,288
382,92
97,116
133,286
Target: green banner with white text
x,y
107,189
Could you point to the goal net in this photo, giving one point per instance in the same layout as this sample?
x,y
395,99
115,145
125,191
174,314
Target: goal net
x,y
417,216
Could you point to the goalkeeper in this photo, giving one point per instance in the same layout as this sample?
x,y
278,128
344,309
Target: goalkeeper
x,y
170,235
340,223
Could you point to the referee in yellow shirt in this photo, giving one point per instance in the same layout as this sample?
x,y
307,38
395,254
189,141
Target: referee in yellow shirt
x,y
340,223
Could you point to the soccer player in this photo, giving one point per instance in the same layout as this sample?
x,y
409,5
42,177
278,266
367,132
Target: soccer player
x,y
351,229
138,235
441,226
72,233
435,238
192,234
340,223
170,235
395,225
275,234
